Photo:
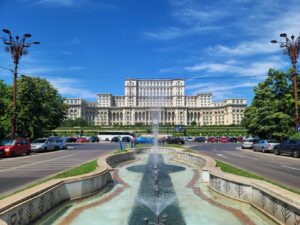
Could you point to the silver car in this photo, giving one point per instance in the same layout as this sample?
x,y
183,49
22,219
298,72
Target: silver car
x,y
61,143
264,146
44,144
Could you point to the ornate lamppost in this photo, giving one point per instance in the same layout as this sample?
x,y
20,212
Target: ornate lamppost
x,y
17,47
291,48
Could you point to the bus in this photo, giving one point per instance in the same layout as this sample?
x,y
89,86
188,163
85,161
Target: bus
x,y
108,135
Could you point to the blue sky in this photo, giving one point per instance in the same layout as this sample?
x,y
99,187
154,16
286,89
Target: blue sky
x,y
90,46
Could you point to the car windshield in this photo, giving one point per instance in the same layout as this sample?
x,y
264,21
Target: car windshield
x,y
7,142
40,140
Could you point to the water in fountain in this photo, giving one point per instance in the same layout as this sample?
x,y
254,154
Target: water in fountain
x,y
147,204
156,194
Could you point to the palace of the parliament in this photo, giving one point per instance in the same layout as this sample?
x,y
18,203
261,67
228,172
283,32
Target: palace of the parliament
x,y
164,98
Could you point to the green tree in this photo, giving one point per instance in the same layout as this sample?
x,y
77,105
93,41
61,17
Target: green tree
x,y
78,122
271,114
40,108
5,109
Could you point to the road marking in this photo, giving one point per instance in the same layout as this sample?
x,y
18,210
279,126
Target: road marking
x,y
35,163
236,154
292,168
238,148
214,149
221,155
27,156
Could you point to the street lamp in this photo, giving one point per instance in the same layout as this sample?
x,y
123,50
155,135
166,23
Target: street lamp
x,y
291,48
17,47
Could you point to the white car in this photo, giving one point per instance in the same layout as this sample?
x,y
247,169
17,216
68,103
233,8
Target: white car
x,y
248,143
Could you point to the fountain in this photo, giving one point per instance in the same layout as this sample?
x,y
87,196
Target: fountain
x,y
156,190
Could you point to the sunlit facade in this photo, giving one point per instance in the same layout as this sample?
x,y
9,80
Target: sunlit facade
x,y
164,98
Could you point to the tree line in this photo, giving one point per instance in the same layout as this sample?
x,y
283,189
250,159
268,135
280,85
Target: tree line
x,y
272,111
40,108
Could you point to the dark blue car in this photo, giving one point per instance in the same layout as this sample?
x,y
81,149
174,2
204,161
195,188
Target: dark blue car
x,y
144,140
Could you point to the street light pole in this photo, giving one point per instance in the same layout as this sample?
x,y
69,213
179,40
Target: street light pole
x,y
291,48
17,48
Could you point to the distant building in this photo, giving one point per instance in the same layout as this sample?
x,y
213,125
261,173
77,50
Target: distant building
x,y
162,99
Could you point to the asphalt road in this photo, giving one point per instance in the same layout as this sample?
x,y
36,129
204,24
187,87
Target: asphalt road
x,y
19,171
281,169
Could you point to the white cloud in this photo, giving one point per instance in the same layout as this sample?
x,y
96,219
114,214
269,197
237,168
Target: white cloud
x,y
44,69
245,49
256,68
166,34
69,87
67,3
220,92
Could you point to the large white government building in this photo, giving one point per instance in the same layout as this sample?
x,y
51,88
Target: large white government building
x,y
163,99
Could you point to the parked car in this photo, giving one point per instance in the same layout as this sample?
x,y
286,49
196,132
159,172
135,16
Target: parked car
x,y
82,140
189,139
126,139
233,140
13,147
240,139
223,140
144,140
44,144
174,140
200,139
212,139
288,147
115,139
248,143
93,139
61,143
70,139
264,146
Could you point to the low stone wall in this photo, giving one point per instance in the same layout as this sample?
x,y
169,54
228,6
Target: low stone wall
x,y
279,204
27,206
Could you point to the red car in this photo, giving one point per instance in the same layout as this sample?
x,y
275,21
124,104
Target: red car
x,y
212,139
223,139
82,140
13,147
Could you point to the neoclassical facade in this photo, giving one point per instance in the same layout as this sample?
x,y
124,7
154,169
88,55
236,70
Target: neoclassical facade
x,y
161,99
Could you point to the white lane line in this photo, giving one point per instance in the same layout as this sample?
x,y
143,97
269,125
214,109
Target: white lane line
x,y
238,148
27,156
35,163
242,156
221,155
292,168
214,149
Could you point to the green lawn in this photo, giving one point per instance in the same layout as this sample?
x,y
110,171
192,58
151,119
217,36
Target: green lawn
x,y
240,172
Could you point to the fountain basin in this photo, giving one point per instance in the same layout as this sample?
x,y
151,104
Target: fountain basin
x,y
280,205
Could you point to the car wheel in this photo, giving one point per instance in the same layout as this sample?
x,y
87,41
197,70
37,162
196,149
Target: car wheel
x,y
296,154
254,149
13,154
28,152
276,151
45,149
263,150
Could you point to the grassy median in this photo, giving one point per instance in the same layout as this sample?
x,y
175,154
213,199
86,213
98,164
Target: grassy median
x,y
240,172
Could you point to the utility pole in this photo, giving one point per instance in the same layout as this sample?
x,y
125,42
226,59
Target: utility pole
x,y
291,48
17,47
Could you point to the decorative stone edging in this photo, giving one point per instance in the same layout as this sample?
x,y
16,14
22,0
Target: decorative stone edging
x,y
277,203
29,205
